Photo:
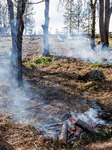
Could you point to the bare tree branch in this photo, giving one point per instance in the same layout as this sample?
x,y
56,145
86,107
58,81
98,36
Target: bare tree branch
x,y
95,3
32,2
36,2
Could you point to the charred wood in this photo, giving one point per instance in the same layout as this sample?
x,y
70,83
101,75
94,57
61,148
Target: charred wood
x,y
83,125
64,134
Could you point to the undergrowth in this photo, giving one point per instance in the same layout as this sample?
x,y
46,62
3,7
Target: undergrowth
x,y
40,61
99,65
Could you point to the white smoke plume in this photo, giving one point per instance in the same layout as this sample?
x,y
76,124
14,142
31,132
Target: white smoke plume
x,y
79,47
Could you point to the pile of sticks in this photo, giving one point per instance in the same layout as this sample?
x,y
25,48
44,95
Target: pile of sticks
x,y
69,134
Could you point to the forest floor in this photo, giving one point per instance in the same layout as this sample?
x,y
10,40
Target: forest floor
x,y
51,90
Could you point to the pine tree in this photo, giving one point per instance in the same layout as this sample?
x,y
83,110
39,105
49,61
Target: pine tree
x,y
74,16
69,16
86,26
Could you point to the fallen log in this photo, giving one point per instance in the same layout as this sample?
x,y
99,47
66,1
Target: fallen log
x,y
83,125
64,134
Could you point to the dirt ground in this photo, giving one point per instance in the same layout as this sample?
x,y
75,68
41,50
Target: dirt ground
x,y
50,90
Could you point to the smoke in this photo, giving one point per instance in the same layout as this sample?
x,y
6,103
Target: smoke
x,y
90,116
24,105
14,100
79,47
82,49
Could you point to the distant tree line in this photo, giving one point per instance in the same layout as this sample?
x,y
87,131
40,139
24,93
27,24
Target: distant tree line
x,y
77,16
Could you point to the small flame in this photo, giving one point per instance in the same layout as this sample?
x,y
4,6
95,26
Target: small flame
x,y
76,133
111,117
70,131
73,120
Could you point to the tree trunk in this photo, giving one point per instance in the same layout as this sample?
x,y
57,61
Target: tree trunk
x,y
13,58
93,29
104,19
17,32
45,30
20,28
93,8
107,6
101,21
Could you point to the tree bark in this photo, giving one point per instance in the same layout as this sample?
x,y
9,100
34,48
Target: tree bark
x,y
107,6
13,58
20,28
17,32
104,19
45,30
93,29
101,21
93,8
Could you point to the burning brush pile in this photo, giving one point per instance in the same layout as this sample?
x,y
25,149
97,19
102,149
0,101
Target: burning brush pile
x,y
88,122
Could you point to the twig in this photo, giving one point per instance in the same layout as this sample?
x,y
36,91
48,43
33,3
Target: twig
x,y
38,105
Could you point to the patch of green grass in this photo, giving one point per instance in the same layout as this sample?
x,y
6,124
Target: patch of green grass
x,y
43,60
40,61
99,65
94,64
31,65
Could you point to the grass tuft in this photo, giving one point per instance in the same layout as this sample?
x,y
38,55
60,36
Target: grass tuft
x,y
40,61
43,60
